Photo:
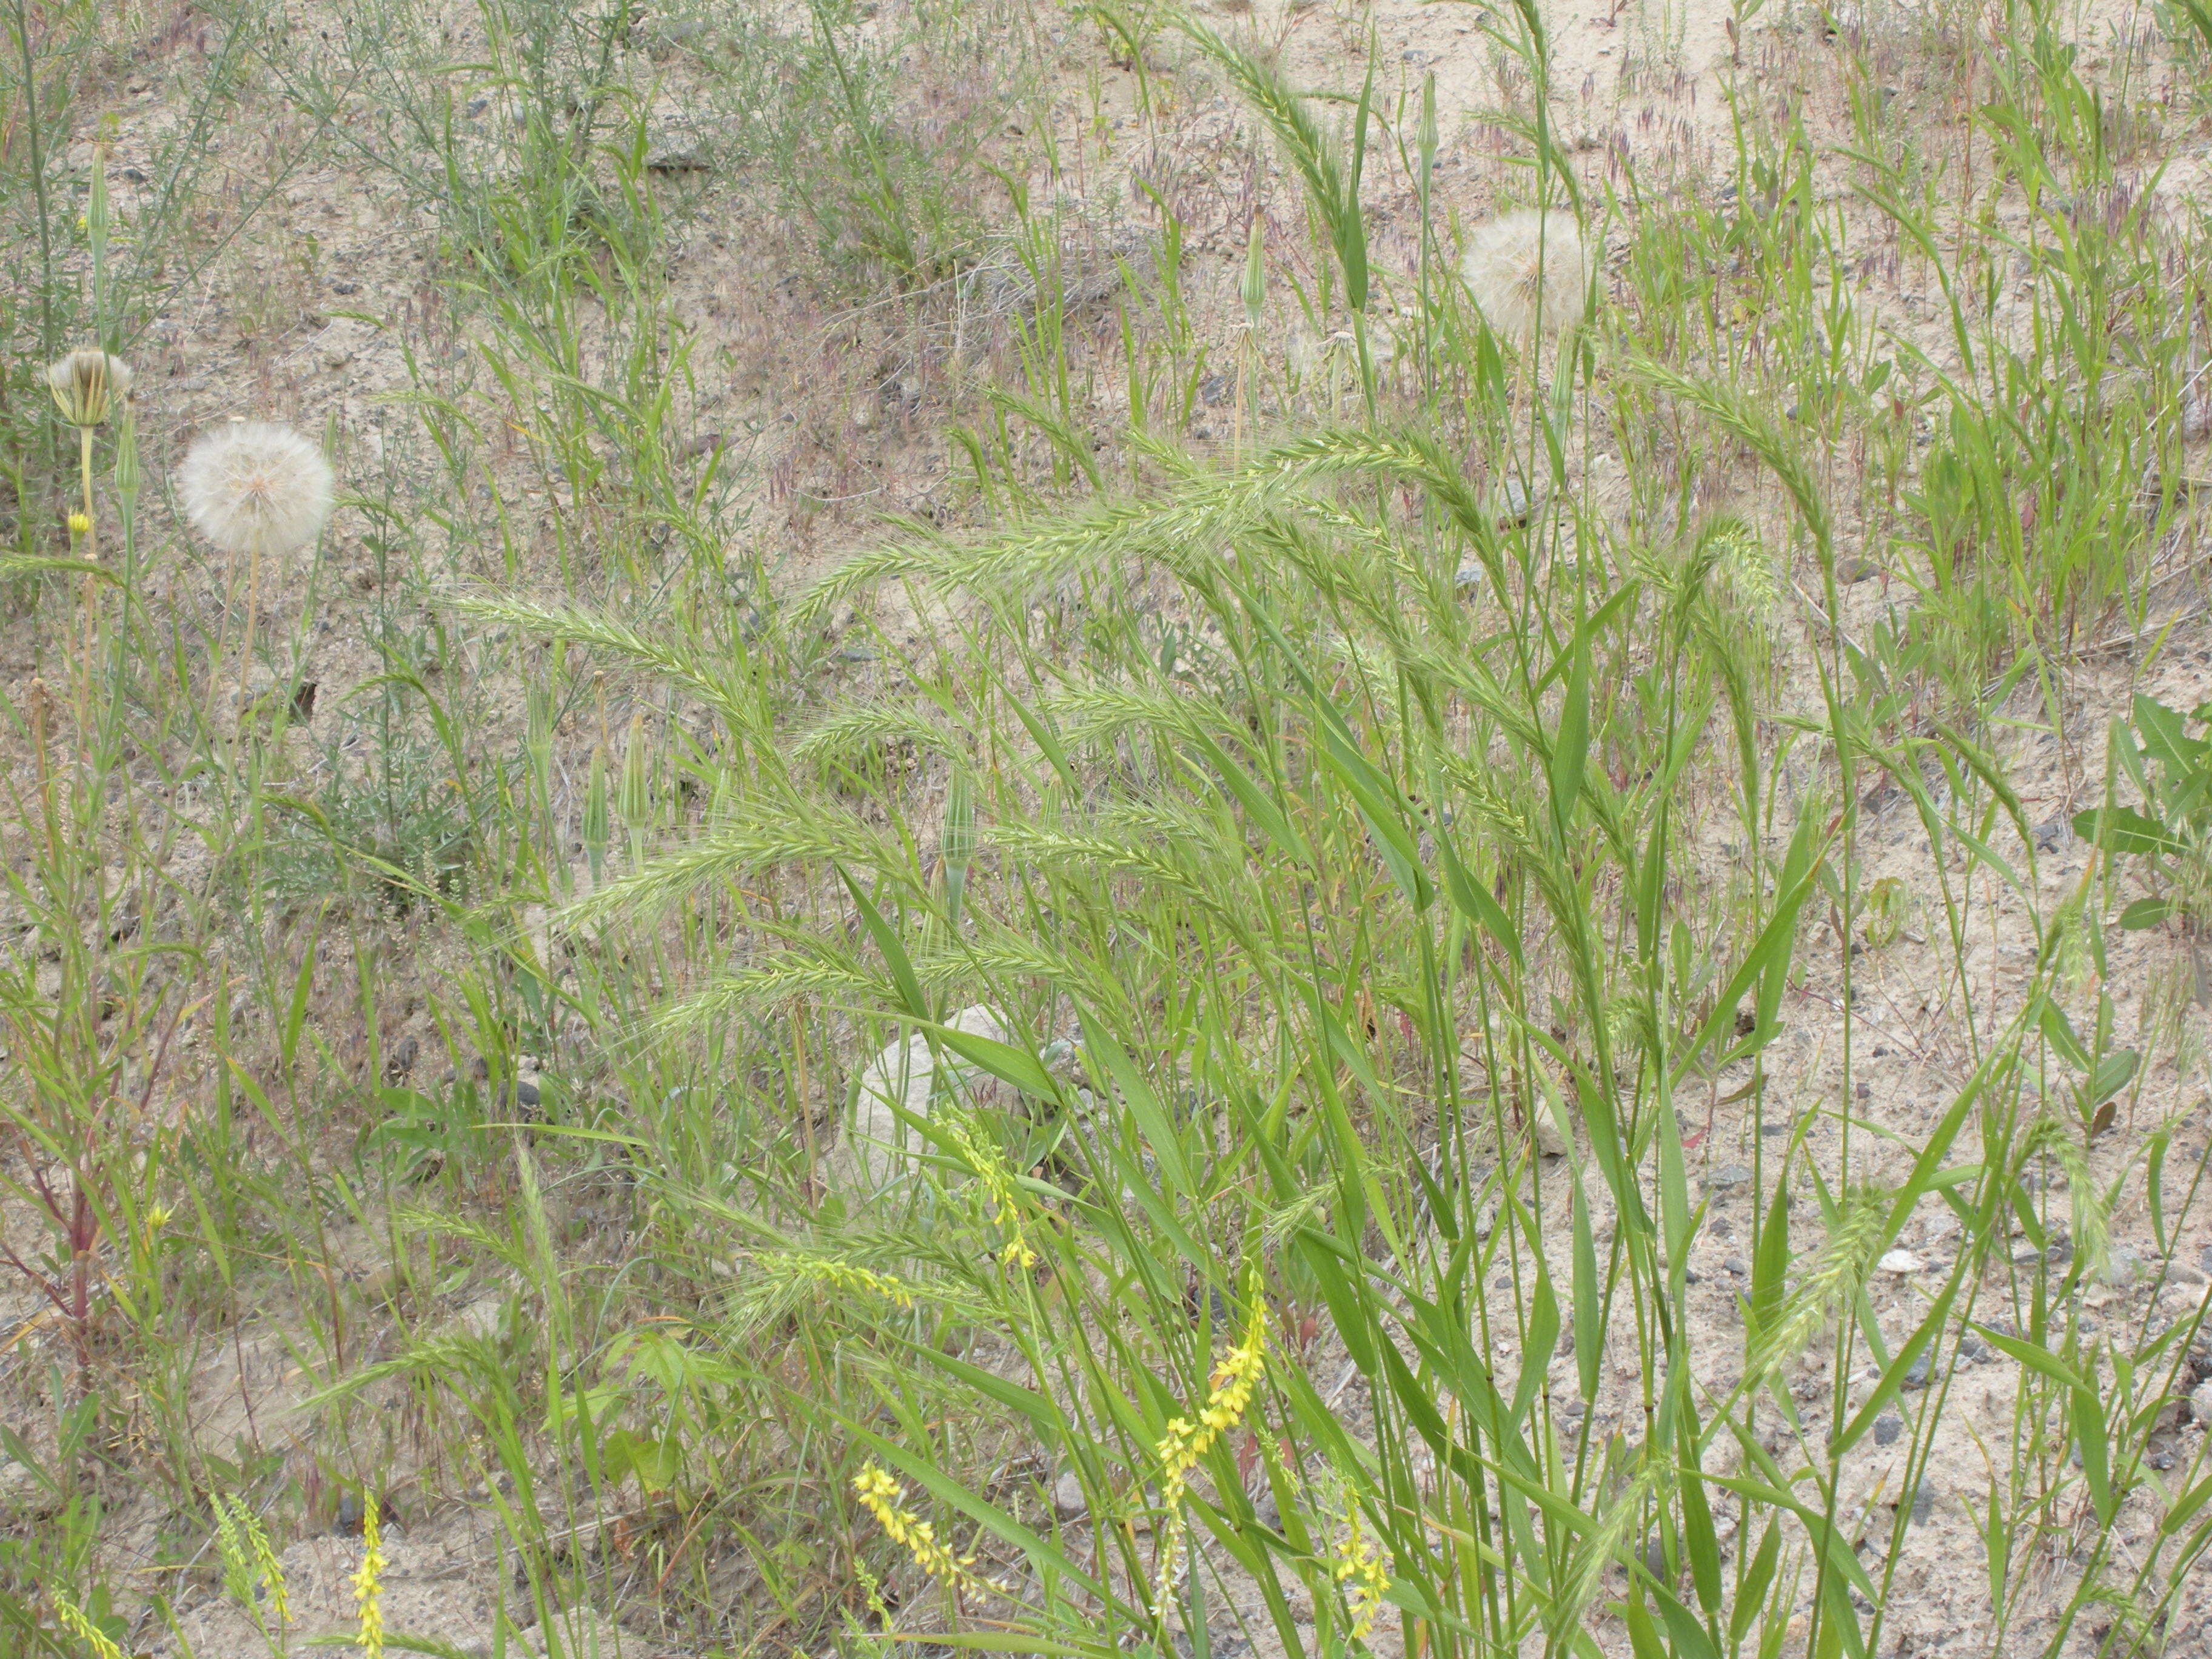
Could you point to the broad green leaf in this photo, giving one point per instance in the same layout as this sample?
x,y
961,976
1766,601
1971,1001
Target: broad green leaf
x,y
2125,829
887,944
1893,1375
1751,1593
1159,1132
1570,743
1589,1334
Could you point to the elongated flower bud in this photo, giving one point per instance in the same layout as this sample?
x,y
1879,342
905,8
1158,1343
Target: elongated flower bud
x,y
635,800
1254,286
127,477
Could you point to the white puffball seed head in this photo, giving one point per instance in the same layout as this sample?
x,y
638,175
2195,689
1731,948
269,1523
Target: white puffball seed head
x,y
1527,271
256,488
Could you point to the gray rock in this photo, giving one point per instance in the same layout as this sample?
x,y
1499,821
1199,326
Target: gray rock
x,y
1887,1428
1915,1374
1068,1502
876,1152
2122,1268
1924,1502
1467,578
1728,1177
1738,1265
2200,1403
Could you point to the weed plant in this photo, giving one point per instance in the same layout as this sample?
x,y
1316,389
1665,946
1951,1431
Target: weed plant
x,y
1336,821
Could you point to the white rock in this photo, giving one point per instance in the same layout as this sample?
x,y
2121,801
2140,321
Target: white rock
x,y
1901,1261
875,1150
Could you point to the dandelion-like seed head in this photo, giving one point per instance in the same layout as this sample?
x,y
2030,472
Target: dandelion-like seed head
x,y
87,384
1527,271
258,487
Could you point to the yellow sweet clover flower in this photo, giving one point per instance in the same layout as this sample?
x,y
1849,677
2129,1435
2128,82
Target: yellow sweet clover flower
x,y
879,1494
990,1167
1359,1565
367,1584
237,1564
78,1624
1186,1442
272,1573
839,1275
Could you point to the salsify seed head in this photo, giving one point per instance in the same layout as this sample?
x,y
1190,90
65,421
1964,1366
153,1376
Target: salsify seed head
x,y
1528,270
87,385
255,487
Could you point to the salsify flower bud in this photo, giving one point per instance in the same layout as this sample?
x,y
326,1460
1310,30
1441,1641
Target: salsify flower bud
x,y
85,385
127,477
79,524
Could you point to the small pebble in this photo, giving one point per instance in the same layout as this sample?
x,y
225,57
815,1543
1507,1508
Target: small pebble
x,y
1887,1428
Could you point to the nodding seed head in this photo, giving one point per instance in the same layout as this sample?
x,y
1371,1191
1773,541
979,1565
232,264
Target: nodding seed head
x,y
85,385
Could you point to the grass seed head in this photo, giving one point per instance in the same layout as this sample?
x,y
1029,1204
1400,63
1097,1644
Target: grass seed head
x,y
258,487
1527,271
85,385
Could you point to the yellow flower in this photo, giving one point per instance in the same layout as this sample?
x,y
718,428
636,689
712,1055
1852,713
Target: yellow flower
x,y
365,1582
79,525
1186,1442
990,1167
77,1625
879,1494
838,1275
1358,1564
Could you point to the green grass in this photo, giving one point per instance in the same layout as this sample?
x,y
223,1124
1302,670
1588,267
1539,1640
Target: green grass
x,y
1336,810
